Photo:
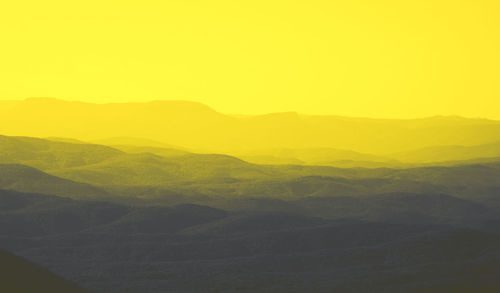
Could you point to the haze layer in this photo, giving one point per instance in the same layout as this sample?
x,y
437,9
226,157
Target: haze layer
x,y
196,126
384,59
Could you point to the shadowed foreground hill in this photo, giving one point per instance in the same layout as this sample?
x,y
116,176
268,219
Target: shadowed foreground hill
x,y
38,214
22,276
393,207
190,248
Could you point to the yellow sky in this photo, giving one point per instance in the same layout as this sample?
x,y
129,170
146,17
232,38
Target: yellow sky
x,y
380,58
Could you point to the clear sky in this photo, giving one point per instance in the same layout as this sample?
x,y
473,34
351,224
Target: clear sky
x,y
380,58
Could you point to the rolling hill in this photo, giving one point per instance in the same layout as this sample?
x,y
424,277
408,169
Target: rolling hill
x,y
28,179
22,276
450,153
47,154
314,156
384,243
86,170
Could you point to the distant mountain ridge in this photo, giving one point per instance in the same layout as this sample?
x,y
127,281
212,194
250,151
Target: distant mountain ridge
x,y
196,126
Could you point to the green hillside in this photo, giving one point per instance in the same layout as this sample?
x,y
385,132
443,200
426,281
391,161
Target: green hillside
x,y
145,174
28,179
46,154
313,156
149,169
160,151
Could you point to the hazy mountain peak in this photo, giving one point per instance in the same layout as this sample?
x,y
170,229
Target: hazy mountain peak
x,y
196,126
50,100
182,104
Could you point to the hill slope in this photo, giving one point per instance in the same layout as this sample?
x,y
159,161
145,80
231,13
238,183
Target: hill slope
x,y
28,179
47,154
22,276
450,153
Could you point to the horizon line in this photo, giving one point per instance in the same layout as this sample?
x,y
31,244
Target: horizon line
x,y
239,115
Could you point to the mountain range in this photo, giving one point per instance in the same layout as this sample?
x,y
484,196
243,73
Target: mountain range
x,y
196,126
172,196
